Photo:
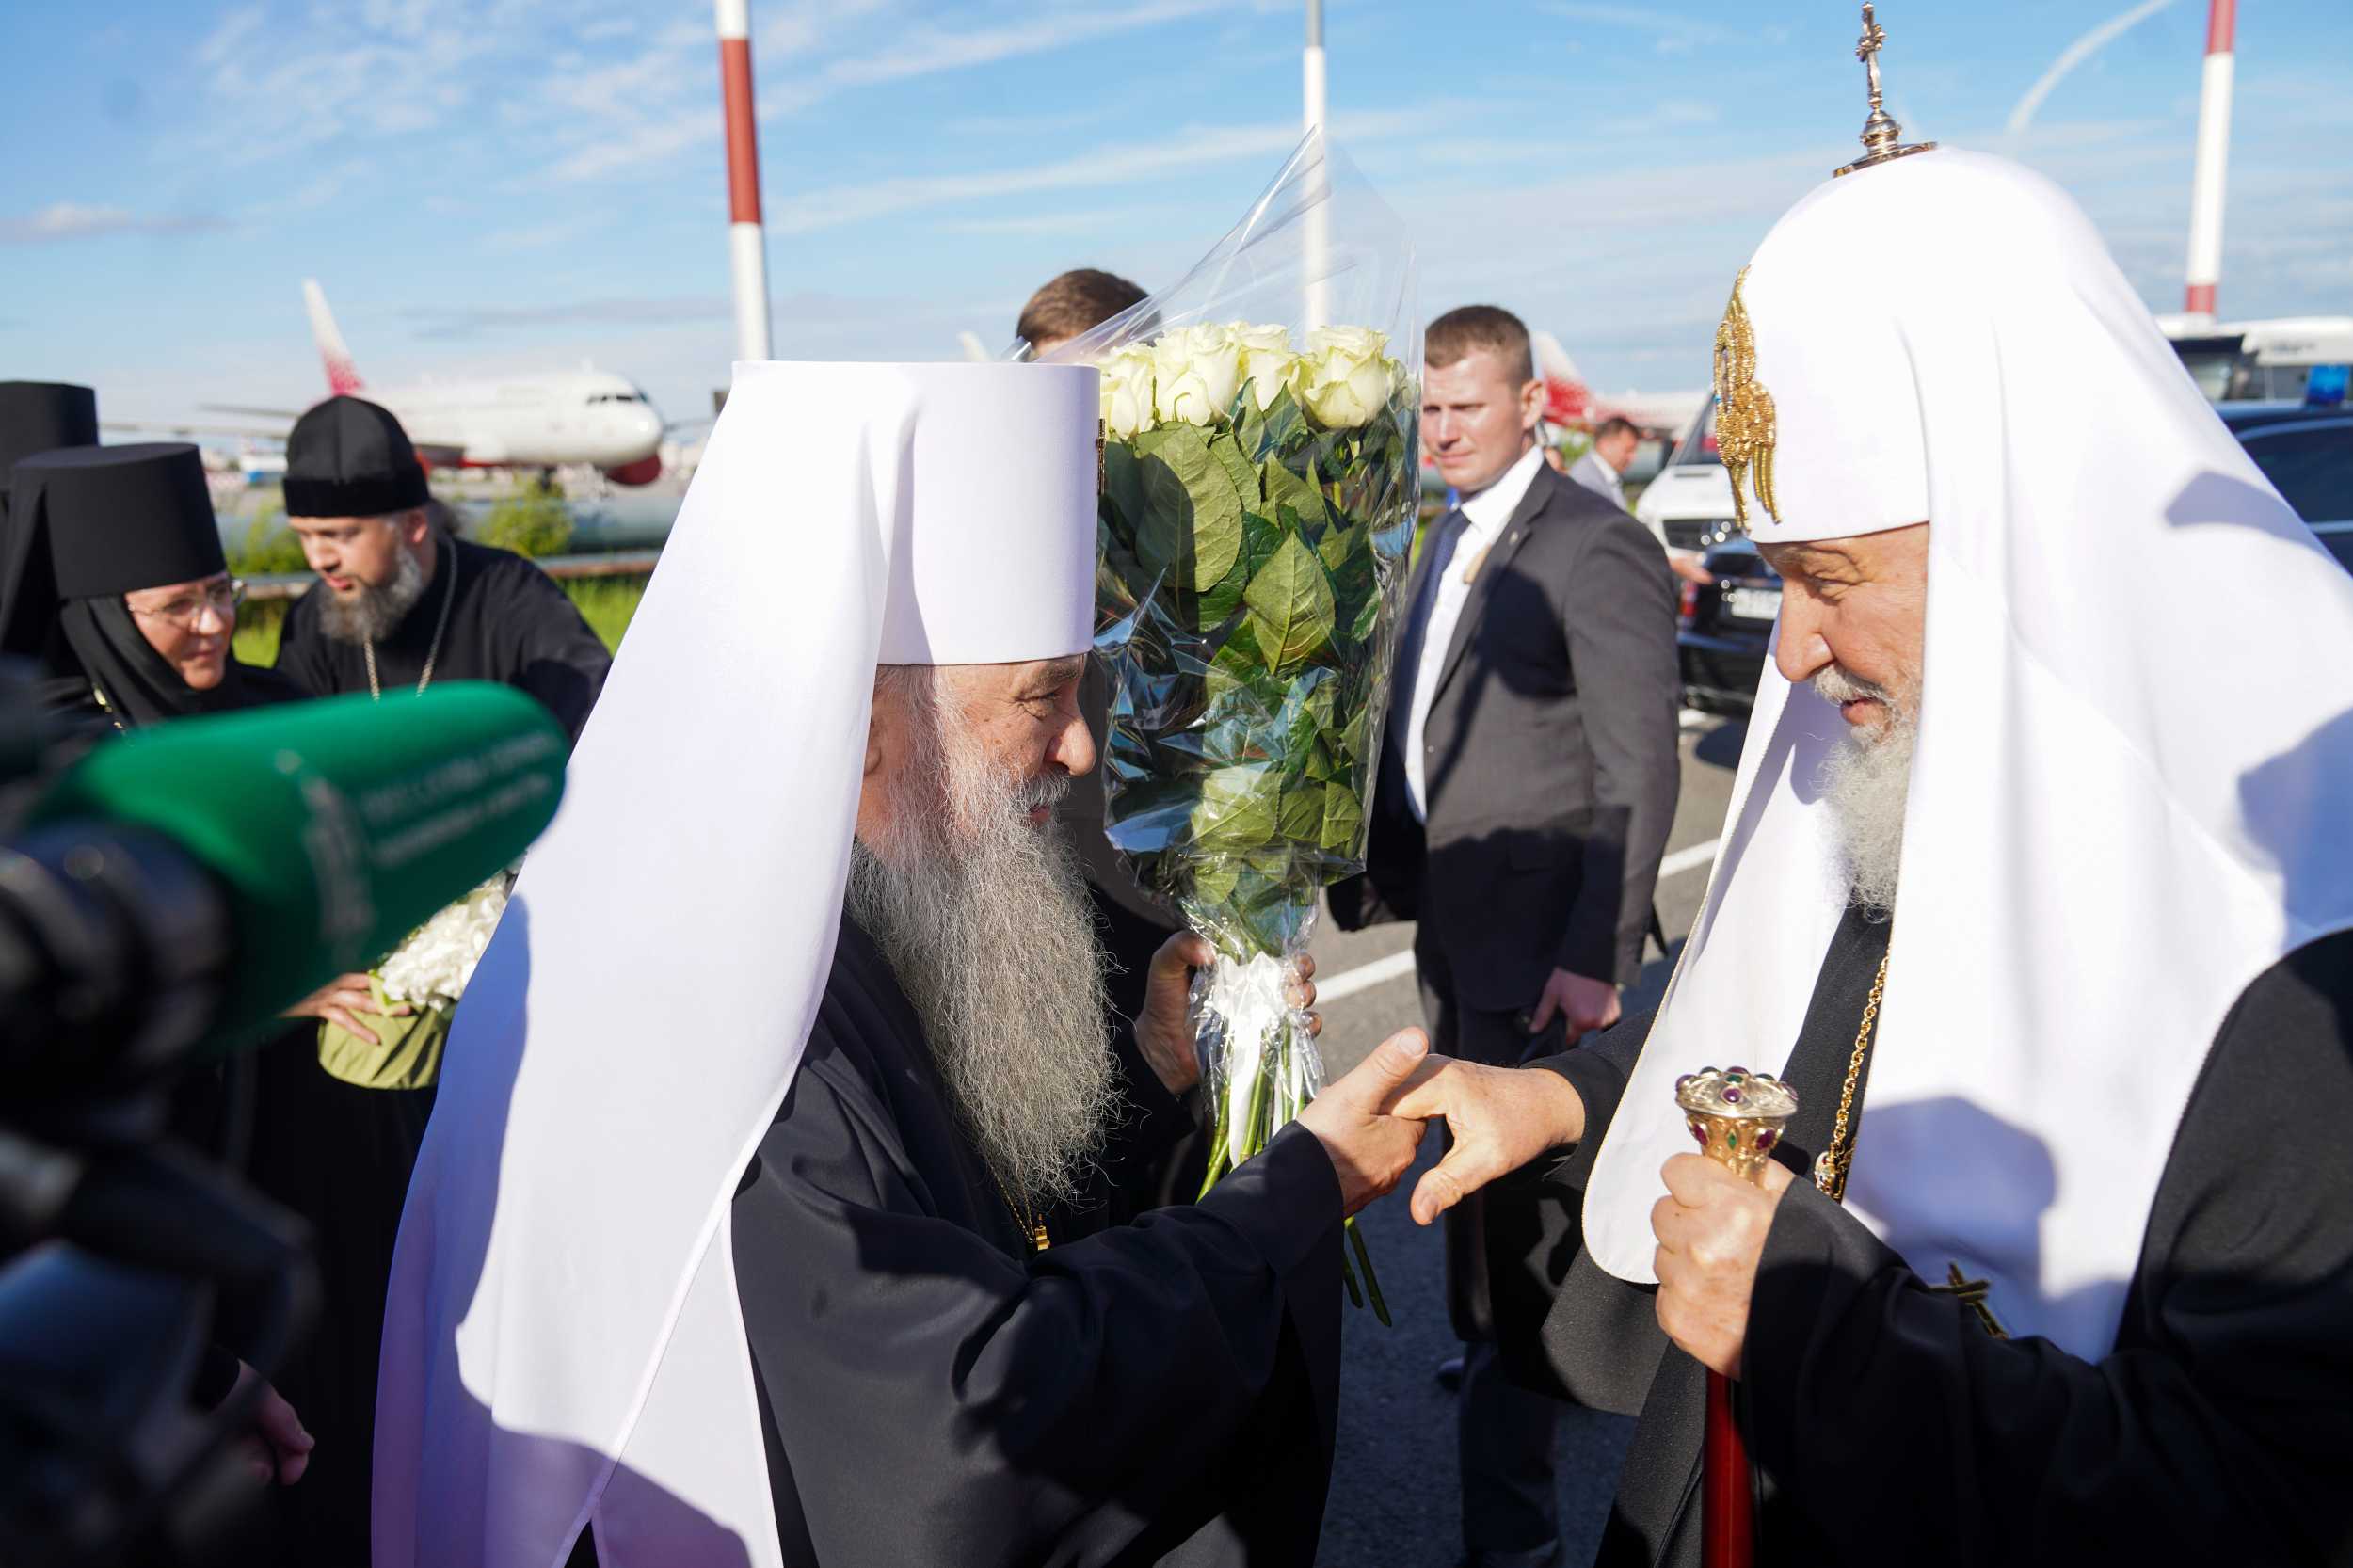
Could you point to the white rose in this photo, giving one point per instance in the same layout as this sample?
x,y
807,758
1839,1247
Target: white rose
x,y
1266,359
1345,378
1197,372
1128,391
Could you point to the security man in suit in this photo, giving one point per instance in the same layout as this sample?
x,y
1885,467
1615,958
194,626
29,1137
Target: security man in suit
x,y
1528,780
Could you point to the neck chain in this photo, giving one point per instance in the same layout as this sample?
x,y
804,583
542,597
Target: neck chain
x,y
433,651
1032,1226
1830,1170
108,708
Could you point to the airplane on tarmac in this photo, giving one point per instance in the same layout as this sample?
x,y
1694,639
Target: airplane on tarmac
x,y
537,421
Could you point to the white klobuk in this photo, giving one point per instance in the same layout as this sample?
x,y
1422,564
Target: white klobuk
x,y
2133,755
563,1341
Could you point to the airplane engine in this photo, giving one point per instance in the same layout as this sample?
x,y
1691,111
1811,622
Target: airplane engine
x,y
644,471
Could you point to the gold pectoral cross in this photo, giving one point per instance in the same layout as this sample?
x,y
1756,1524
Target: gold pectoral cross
x,y
1972,1294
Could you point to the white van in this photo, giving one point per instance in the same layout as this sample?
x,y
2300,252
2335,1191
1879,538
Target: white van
x,y
1688,506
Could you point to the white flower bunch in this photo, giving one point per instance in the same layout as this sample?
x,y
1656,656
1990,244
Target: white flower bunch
x,y
1191,375
432,967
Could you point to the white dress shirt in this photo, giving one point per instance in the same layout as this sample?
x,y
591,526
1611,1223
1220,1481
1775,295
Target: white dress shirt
x,y
1483,518
1600,478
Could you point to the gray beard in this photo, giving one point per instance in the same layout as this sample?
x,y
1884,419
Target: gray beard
x,y
370,614
1867,781
985,920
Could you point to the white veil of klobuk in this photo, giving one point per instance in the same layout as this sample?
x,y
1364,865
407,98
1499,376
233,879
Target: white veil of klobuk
x,y
2134,751
563,1341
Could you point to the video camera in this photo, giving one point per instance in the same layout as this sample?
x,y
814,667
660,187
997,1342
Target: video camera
x,y
163,896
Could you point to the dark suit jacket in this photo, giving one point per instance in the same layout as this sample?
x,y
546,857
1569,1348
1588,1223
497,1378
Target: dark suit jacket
x,y
1550,760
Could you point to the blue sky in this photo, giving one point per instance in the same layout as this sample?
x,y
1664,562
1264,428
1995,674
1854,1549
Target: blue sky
x,y
531,183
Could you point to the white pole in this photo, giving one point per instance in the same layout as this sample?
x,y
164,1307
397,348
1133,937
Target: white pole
x,y
1318,230
2213,152
747,247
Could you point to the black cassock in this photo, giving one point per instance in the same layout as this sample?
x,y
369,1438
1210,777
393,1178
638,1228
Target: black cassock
x,y
1160,1391
1888,1426
509,623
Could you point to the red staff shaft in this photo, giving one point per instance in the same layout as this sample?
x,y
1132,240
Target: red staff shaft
x,y
1727,1485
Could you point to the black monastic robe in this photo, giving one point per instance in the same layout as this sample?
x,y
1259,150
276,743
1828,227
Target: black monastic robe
x,y
1888,1425
1162,1391
509,623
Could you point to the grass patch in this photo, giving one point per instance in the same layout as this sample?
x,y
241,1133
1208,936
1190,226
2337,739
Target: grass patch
x,y
606,604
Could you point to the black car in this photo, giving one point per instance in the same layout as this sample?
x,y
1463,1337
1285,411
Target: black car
x,y
2306,452
1722,635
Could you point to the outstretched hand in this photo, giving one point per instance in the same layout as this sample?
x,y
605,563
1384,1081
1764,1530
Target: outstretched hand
x,y
1498,1119
1371,1147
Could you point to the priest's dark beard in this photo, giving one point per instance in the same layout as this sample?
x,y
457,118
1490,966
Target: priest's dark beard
x,y
987,923
370,614
1868,780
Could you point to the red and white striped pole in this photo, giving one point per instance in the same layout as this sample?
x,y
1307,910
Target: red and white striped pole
x,y
747,245
2213,152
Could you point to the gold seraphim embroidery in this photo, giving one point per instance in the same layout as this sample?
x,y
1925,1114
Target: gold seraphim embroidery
x,y
1744,409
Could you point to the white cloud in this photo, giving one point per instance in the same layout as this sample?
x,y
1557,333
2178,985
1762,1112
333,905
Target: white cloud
x,y
1183,147
927,50
70,221
1672,32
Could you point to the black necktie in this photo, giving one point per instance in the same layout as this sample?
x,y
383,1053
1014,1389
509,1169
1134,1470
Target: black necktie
x,y
1443,542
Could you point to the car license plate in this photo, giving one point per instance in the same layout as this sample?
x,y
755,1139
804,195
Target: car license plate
x,y
1752,603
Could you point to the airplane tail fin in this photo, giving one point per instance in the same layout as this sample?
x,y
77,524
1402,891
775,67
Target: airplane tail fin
x,y
1567,399
343,376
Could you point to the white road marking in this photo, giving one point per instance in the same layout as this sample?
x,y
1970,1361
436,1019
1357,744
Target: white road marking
x,y
1364,977
1397,966
1685,859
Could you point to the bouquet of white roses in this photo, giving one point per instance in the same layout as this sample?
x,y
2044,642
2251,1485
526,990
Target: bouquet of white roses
x,y
417,987
431,968
1258,498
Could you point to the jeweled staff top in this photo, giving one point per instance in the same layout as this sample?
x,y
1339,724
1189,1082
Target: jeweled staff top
x,y
1735,1115
1882,138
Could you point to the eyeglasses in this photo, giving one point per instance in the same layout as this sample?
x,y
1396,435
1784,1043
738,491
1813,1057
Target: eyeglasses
x,y
222,598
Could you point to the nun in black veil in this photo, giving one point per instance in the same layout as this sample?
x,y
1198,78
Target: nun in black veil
x,y
113,581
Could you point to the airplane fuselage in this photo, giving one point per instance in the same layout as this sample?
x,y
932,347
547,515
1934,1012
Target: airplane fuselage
x,y
540,421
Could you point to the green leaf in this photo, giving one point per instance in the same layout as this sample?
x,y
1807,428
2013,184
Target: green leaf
x,y
1214,880
1241,470
1274,429
1193,514
1304,495
1235,812
1300,818
1260,537
1343,822
1290,605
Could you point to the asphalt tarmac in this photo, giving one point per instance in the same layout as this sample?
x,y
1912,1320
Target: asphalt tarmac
x,y
1395,1500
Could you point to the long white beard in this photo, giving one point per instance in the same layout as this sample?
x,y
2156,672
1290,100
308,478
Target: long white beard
x,y
1867,781
985,920
370,614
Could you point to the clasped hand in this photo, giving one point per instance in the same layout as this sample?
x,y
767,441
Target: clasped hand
x,y
1710,1227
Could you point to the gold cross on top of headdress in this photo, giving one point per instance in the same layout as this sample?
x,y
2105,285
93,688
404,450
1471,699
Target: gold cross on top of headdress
x,y
1874,40
1882,138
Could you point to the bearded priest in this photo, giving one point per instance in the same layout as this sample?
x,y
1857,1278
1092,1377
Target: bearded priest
x,y
741,1235
2036,889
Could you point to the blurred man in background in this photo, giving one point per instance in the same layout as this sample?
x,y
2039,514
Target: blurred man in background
x,y
1602,470
402,603
1527,782
1078,301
